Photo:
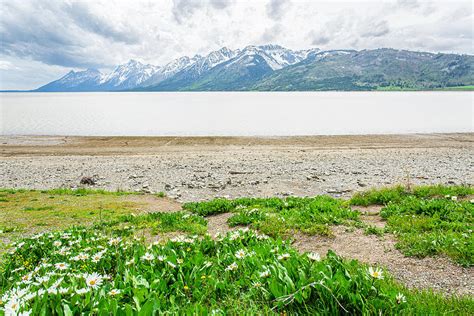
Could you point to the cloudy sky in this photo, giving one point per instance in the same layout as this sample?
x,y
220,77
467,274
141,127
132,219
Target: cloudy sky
x,y
42,40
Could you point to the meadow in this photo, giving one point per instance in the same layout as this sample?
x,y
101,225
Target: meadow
x,y
131,262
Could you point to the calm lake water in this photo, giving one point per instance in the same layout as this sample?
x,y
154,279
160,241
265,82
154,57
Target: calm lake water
x,y
235,113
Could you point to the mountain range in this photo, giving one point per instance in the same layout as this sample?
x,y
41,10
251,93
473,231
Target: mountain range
x,y
275,68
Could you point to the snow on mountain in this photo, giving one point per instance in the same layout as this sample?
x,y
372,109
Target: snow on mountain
x,y
276,56
170,69
128,76
86,80
135,74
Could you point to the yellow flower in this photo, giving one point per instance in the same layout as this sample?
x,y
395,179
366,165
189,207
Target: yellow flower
x,y
186,288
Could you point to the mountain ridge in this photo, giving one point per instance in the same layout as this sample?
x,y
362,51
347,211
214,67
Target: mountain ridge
x,y
272,67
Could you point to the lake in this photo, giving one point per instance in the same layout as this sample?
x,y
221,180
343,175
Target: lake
x,y
235,113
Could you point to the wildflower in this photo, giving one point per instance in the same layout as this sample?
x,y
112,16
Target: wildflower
x,y
161,258
42,280
130,262
234,235
265,274
454,198
93,280
63,290
186,288
114,292
61,266
96,258
171,264
232,267
262,237
257,284
240,254
375,273
400,298
64,251
472,201
314,256
12,307
283,256
114,241
26,279
57,243
179,261
148,256
82,291
24,313
81,257
52,290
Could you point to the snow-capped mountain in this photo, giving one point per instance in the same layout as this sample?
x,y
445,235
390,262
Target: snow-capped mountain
x,y
128,76
275,56
273,67
171,69
87,80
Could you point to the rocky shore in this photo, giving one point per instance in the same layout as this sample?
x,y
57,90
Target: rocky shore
x,y
232,167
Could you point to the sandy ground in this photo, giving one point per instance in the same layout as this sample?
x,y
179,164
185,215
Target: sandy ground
x,y
198,168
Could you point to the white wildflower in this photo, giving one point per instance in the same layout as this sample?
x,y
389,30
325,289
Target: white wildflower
x,y
61,266
400,298
93,280
283,256
314,256
148,257
232,267
376,273
114,292
265,274
240,254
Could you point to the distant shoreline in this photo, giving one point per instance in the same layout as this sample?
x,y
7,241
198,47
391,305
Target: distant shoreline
x,y
149,145
450,89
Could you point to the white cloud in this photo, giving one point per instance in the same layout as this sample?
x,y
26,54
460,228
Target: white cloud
x,y
55,35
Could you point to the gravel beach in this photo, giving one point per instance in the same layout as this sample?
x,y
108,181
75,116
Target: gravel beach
x,y
200,168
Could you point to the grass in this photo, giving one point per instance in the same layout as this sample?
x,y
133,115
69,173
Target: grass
x,y
31,211
433,227
160,223
281,217
427,220
383,196
243,272
89,271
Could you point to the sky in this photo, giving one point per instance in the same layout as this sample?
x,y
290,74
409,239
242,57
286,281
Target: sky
x,y
41,40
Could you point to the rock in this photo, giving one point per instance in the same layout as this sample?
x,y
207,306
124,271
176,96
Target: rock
x,y
234,172
88,181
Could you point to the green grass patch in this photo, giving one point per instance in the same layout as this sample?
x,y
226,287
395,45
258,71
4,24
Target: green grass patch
x,y
373,230
84,271
433,227
281,217
396,194
33,211
160,222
